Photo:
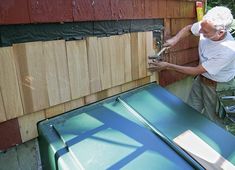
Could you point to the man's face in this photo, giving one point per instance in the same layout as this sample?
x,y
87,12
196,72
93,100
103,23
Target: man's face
x,y
209,31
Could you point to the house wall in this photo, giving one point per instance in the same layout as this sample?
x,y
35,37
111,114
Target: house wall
x,y
43,79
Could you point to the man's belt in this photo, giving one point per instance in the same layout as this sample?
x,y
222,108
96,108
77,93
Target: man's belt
x,y
207,81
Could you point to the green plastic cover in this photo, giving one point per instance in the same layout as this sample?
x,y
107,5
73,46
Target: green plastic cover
x,y
104,135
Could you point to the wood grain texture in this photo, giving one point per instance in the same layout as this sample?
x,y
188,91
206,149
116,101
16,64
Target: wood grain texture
x,y
31,69
117,60
2,109
50,11
96,97
9,84
142,62
155,9
93,64
73,104
57,75
126,47
143,81
186,56
178,24
105,62
83,10
114,90
187,9
102,9
167,77
78,68
128,86
28,125
150,51
173,9
122,9
134,56
138,9
54,110
186,43
167,29
14,12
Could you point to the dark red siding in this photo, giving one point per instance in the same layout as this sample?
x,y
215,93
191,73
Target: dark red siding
x,y
102,10
9,134
122,9
155,9
83,10
138,9
167,77
50,11
14,12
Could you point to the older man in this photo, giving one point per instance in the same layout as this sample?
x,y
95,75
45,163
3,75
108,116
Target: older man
x,y
217,60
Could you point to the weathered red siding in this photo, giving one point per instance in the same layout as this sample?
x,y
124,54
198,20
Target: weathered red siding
x,y
10,134
83,10
102,10
122,9
50,11
44,11
14,12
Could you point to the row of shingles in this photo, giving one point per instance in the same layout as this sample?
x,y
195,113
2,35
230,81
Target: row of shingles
x,y
33,11
185,52
41,76
43,82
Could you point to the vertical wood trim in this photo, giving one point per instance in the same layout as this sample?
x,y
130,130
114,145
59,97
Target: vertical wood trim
x,y
9,84
105,62
134,56
126,46
56,72
78,68
142,54
31,68
93,64
117,61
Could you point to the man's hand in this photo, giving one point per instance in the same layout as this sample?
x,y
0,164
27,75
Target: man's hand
x,y
155,65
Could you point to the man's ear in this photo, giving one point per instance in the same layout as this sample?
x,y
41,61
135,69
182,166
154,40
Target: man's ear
x,y
221,32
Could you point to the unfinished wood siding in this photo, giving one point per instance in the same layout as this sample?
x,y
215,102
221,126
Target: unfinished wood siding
x,y
53,77
43,79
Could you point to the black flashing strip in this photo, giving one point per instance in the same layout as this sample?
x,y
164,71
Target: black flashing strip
x,y
11,34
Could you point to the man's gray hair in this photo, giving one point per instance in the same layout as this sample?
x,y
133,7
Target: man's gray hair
x,y
220,16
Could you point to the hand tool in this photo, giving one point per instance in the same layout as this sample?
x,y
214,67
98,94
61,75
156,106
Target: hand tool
x,y
158,55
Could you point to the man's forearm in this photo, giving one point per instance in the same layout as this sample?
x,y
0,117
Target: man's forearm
x,y
186,31
186,69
